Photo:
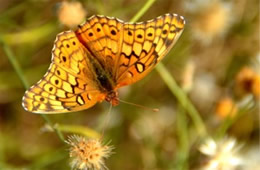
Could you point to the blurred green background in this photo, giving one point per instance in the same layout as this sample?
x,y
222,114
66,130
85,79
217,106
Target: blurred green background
x,y
215,62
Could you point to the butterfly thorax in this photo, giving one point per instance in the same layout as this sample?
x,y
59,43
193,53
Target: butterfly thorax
x,y
106,84
112,97
107,87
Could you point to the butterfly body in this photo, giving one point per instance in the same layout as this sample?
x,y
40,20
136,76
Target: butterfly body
x,y
102,55
105,84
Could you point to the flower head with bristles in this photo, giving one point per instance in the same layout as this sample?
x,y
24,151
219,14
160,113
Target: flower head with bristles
x,y
88,154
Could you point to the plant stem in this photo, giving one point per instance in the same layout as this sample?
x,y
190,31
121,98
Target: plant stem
x,y
183,137
182,98
20,74
58,132
78,129
14,63
141,12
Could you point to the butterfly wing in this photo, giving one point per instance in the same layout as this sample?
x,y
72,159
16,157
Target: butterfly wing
x,y
144,45
129,51
102,36
69,84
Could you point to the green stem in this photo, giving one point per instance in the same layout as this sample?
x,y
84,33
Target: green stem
x,y
182,98
58,132
183,144
14,63
20,74
141,12
78,129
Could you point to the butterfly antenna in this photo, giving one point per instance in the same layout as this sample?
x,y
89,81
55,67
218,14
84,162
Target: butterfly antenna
x,y
106,121
141,106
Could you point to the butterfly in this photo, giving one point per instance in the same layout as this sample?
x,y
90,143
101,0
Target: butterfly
x,y
90,64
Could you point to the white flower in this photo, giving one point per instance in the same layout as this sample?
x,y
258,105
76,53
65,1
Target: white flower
x,y
222,154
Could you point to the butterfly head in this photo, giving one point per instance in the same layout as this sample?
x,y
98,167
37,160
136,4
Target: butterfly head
x,y
112,97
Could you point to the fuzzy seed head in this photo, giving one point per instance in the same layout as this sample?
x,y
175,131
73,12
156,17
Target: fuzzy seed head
x,y
88,154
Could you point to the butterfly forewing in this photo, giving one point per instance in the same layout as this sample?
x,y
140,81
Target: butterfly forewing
x,y
128,51
144,45
101,36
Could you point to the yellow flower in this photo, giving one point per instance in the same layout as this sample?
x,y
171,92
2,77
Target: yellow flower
x,y
88,154
71,14
222,154
226,108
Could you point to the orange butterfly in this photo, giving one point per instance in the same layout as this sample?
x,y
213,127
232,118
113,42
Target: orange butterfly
x,y
102,55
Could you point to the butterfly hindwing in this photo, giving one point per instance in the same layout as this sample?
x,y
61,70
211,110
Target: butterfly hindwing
x,y
69,84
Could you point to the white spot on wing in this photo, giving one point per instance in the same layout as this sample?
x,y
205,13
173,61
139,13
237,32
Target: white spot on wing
x,y
184,22
119,20
139,23
110,17
101,16
93,16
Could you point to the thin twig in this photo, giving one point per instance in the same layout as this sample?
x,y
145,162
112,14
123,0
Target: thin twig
x,y
20,74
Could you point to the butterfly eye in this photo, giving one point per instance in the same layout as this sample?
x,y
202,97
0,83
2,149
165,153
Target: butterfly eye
x,y
98,30
150,34
90,34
